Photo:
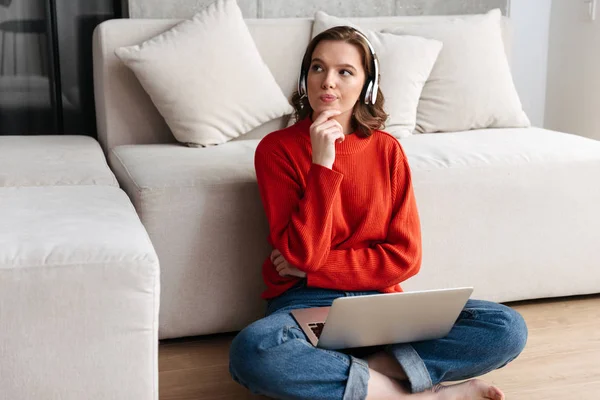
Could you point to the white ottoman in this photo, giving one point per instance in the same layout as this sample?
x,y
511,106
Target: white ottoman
x,y
79,280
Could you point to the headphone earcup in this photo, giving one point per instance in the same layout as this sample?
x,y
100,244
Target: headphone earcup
x,y
369,93
302,84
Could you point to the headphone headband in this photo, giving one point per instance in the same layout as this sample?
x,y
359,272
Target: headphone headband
x,y
372,83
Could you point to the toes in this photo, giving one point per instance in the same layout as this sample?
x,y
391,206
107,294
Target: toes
x,y
495,393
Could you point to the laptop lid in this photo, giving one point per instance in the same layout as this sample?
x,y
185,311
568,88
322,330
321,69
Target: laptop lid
x,y
392,318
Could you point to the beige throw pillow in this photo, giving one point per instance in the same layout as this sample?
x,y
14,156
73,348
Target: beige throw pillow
x,y
405,63
207,78
470,86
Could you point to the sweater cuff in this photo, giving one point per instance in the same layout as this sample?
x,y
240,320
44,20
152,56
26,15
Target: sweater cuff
x,y
327,180
324,172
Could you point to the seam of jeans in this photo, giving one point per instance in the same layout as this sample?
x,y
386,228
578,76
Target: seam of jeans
x,y
358,380
413,366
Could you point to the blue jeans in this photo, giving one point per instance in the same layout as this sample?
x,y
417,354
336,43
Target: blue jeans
x,y
273,357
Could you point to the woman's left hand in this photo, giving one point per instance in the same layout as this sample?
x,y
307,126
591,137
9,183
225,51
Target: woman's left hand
x,y
283,267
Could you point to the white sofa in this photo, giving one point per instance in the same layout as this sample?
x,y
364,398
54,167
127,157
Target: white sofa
x,y
513,212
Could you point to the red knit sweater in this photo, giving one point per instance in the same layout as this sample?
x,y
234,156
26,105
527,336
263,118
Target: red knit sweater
x,y
353,227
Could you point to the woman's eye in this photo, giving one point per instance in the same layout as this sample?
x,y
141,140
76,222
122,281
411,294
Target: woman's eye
x,y
345,72
316,68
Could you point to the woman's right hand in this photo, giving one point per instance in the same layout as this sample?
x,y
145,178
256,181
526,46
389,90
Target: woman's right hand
x,y
324,132
283,267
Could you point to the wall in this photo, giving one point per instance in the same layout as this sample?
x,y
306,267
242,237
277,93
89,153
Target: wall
x,y
530,21
307,8
573,91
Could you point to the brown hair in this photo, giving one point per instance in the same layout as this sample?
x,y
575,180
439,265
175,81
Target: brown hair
x,y
366,117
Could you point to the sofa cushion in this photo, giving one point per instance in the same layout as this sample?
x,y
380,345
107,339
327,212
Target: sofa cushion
x,y
206,77
53,160
509,147
496,148
470,86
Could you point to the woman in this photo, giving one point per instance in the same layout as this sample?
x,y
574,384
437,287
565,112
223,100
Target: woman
x,y
343,221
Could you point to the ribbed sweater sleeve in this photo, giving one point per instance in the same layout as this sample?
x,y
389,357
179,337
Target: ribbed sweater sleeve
x,y
300,220
386,264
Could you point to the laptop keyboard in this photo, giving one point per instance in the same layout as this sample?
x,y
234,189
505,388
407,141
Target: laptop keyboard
x,y
317,328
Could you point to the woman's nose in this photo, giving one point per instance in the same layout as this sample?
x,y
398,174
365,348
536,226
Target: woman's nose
x,y
328,82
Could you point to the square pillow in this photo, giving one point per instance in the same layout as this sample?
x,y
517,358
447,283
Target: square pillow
x,y
206,77
470,86
405,63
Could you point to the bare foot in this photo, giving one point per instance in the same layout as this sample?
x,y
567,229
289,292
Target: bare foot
x,y
474,389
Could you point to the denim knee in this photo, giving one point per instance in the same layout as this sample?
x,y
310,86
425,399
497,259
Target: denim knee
x,y
243,359
513,337
258,353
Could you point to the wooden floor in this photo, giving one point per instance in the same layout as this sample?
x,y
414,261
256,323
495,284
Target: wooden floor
x,y
561,360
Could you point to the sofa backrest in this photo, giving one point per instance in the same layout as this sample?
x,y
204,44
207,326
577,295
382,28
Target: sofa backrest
x,y
126,115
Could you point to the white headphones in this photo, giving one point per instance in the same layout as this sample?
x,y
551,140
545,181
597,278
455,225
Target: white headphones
x,y
372,82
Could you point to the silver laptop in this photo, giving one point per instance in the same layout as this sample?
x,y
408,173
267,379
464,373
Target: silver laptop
x,y
383,318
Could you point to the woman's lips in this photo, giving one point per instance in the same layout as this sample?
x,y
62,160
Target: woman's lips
x,y
328,98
